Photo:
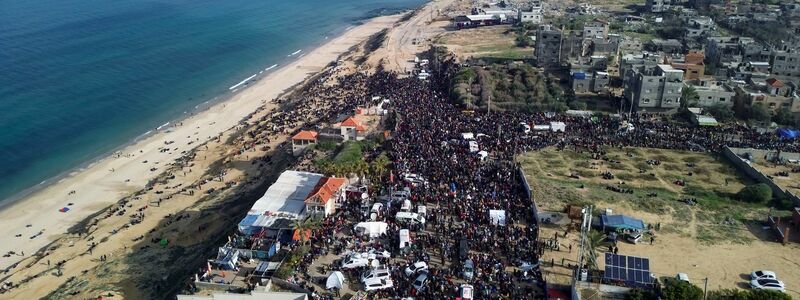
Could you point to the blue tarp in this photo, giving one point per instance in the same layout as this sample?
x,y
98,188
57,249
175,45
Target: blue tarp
x,y
786,133
247,222
622,222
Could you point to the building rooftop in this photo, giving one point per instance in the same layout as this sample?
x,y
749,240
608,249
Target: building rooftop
x,y
285,199
305,135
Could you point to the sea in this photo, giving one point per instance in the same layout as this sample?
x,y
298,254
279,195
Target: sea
x,y
80,78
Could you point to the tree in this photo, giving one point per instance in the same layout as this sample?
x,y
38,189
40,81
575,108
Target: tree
x,y
760,112
689,97
721,112
595,241
303,226
639,294
784,116
675,289
755,193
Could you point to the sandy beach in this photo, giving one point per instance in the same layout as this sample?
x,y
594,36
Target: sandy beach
x,y
35,221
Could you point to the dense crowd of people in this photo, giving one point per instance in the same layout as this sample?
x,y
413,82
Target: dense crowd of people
x,y
460,188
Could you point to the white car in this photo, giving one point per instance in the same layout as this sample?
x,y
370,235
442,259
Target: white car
x,y
768,284
377,273
352,262
416,267
682,277
763,274
377,284
378,254
420,282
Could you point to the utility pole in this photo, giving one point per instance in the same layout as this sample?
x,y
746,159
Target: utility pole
x,y
705,289
489,107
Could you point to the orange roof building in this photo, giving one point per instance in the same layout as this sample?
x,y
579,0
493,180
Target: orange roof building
x,y
305,135
774,82
324,195
351,129
352,122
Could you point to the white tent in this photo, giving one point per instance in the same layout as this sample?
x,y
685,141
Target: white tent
x,y
335,280
473,146
558,126
498,217
373,229
467,136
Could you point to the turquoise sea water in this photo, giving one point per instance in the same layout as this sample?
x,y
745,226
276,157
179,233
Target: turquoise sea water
x,y
79,78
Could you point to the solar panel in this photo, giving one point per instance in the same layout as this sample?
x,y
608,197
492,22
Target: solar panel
x,y
630,269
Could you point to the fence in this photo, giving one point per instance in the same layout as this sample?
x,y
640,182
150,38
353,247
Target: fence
x,y
735,157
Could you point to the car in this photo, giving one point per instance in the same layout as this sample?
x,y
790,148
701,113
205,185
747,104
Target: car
x,y
763,274
380,273
354,261
469,269
420,282
409,218
378,254
634,237
417,267
768,284
682,277
378,284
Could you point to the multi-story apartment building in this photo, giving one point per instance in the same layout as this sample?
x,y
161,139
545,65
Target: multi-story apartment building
x,y
654,88
773,93
658,6
711,92
548,46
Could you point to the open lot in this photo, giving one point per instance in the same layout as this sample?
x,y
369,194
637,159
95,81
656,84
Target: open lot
x,y
718,238
488,41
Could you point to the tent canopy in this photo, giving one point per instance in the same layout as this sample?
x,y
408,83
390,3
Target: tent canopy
x,y
786,133
335,280
622,222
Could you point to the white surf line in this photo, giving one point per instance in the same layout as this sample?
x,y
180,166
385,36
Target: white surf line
x,y
242,82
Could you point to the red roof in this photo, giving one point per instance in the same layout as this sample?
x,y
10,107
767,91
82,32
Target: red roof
x,y
326,188
774,82
352,122
305,135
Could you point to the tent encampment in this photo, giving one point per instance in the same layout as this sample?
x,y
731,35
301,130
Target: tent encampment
x,y
335,280
621,222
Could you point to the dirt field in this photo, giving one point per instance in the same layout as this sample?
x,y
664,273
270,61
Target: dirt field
x,y
718,238
790,182
489,41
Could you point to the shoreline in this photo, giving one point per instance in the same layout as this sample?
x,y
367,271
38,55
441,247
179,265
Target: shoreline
x,y
39,205
281,62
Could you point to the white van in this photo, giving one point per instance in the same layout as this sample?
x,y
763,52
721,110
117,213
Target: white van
x,y
409,218
377,273
405,238
355,261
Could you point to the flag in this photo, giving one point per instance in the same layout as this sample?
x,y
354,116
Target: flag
x,y
391,176
453,188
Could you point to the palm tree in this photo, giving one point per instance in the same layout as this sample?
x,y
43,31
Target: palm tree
x,y
304,225
689,97
595,240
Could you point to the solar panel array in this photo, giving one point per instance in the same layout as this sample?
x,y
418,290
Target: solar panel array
x,y
630,269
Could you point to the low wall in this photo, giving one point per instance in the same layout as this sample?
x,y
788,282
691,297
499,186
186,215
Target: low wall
x,y
524,181
735,156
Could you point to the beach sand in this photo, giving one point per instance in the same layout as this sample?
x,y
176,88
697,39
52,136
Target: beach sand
x,y
105,182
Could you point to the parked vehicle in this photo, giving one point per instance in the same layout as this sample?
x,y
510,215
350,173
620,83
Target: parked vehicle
x,y
634,237
420,282
417,267
355,261
377,273
405,238
768,284
682,277
378,284
763,274
469,269
409,218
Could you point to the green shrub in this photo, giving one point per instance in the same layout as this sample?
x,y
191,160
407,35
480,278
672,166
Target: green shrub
x,y
675,289
755,193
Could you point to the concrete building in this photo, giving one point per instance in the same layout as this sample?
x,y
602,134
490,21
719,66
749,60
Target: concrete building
x,y
590,82
658,6
692,65
303,140
700,26
772,93
351,129
654,88
629,62
532,14
712,93
328,194
785,63
666,46
723,50
548,46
